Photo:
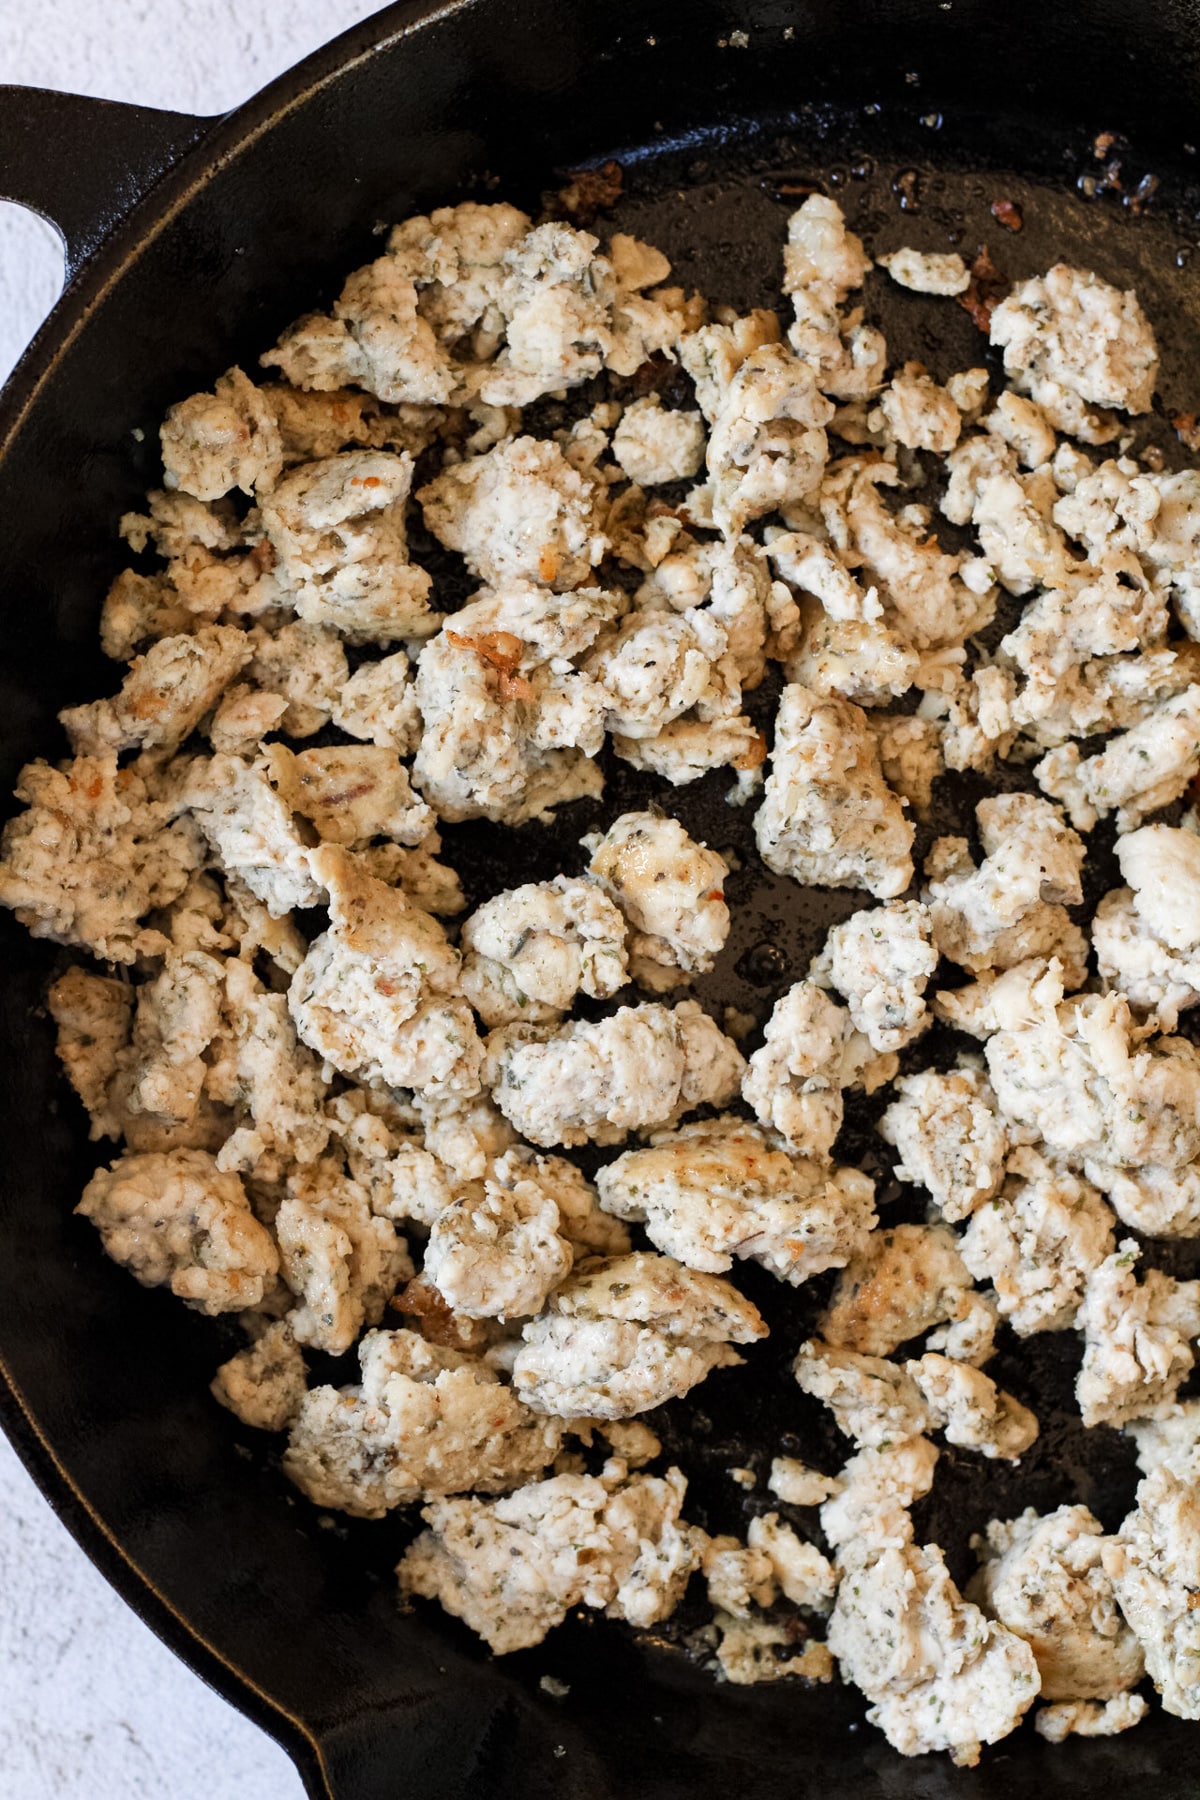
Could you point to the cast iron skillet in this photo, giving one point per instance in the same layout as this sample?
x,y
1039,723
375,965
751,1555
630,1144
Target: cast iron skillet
x,y
189,244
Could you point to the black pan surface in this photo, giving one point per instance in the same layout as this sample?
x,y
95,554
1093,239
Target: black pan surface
x,y
918,118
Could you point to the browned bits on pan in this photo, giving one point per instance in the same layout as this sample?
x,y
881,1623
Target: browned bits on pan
x,y
1143,194
754,754
1008,214
784,184
1187,429
502,651
421,1302
986,289
907,187
591,191
1102,143
649,376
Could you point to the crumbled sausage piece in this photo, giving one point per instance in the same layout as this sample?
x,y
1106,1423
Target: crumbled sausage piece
x,y
511,725
709,1192
872,1400
1154,1565
950,1137
972,1411
828,817
341,1262
943,1677
643,1066
1072,328
1038,1242
904,1279
520,512
92,855
927,272
514,1568
378,993
173,1219
265,1384
881,960
810,1053
338,529
529,951
1137,1340
1044,1578
423,1421
226,439
626,1333
877,1487
670,889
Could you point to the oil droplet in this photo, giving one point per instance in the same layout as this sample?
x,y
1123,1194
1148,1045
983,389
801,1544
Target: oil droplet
x,y
932,121
763,964
862,168
1183,255
838,177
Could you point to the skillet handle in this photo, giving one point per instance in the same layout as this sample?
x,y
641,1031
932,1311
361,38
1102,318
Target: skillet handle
x,y
84,164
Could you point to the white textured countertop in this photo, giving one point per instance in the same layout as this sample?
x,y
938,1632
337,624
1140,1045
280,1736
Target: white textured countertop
x,y
92,1706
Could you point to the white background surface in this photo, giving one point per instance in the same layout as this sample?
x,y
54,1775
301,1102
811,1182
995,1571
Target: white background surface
x,y
92,1707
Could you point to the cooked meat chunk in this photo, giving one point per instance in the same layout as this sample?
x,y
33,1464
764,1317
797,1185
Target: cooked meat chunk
x,y
904,1279
530,950
641,1067
1044,1578
942,1677
670,889
828,818
627,1333
1154,1566
423,1421
378,993
709,1192
950,1137
1137,1340
173,1219
880,961
1038,1242
514,1568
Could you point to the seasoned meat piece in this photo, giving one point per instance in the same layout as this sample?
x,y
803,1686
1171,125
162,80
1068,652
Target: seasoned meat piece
x,y
175,1220
528,951
92,855
423,1421
264,1385
1154,1566
880,961
670,889
904,1279
643,1066
627,1333
1038,1242
378,993
950,1137
709,1192
942,1677
1137,1339
828,818
521,512
1044,1578
514,1568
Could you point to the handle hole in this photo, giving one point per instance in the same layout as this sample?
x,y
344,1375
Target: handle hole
x,y
31,278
